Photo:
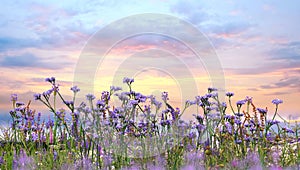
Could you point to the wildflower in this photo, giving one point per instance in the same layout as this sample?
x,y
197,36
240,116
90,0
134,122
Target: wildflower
x,y
277,101
54,155
211,89
288,130
37,96
248,99
240,103
75,89
229,94
238,141
273,122
48,92
69,103
115,88
224,104
18,104
189,102
192,135
164,96
128,80
90,97
14,97
1,160
50,80
105,95
34,136
133,102
100,103
175,113
239,114
262,111
140,97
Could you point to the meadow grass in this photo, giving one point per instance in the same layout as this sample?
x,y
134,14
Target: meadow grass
x,y
143,132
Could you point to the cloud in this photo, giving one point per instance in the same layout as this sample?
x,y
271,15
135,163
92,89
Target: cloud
x,y
289,82
190,11
288,52
29,60
8,43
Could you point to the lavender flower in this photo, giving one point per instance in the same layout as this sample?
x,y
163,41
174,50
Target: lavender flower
x,y
277,101
262,111
105,95
114,88
37,96
18,104
14,97
90,97
248,99
164,96
75,89
240,103
229,94
128,80
211,89
50,80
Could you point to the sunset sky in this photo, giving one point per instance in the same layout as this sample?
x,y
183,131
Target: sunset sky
x,y
256,42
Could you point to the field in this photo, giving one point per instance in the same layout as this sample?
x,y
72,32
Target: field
x,y
144,132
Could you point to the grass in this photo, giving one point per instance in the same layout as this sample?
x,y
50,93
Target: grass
x,y
146,133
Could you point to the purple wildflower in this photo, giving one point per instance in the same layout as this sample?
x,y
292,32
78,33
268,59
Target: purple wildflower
x,y
115,88
277,101
192,135
164,96
50,80
224,104
105,95
262,111
273,122
75,89
14,97
190,102
128,80
18,104
238,141
37,96
239,114
90,97
240,103
229,94
69,103
237,121
248,99
211,89
133,102
34,136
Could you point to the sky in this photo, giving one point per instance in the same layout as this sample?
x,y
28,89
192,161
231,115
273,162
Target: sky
x,y
254,44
